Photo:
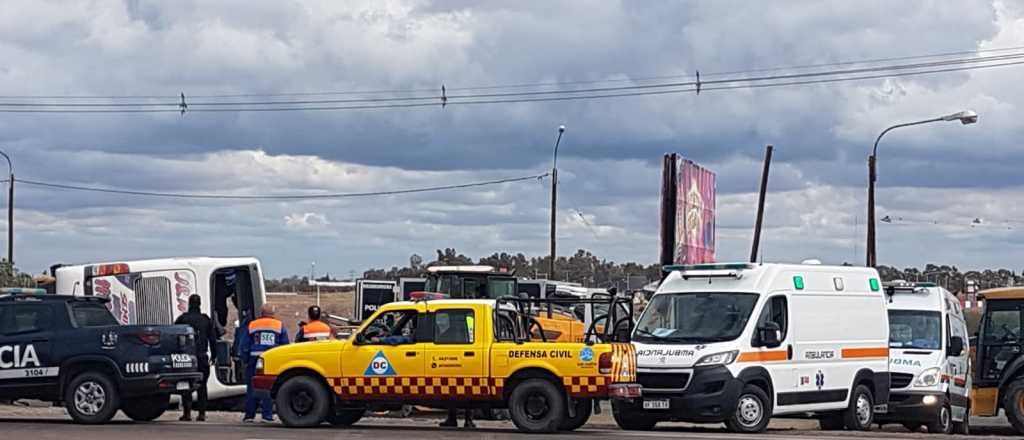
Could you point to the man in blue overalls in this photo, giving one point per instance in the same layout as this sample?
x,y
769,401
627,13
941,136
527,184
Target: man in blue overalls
x,y
263,334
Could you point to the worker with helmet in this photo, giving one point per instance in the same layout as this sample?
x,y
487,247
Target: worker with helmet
x,y
315,329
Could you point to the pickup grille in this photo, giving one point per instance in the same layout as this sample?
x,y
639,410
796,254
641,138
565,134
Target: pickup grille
x,y
663,381
900,380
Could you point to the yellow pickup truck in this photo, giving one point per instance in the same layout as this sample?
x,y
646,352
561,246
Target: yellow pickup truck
x,y
447,354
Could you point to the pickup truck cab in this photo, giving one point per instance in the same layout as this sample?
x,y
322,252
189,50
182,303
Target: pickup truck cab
x,y
447,353
71,350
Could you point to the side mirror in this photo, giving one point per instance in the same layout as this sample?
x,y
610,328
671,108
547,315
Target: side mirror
x,y
956,346
360,339
769,335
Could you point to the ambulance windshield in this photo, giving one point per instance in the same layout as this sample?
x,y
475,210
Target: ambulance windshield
x,y
917,329
695,318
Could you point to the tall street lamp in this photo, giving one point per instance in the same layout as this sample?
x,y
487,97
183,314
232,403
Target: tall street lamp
x,y
554,200
965,117
10,212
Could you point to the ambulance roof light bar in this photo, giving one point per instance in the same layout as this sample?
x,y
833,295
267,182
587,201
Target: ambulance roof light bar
x,y
714,270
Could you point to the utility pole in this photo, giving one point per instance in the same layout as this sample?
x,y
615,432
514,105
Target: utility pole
x,y
554,197
10,212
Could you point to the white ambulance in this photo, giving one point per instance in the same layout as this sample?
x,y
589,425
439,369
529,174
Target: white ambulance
x,y
929,359
156,292
741,343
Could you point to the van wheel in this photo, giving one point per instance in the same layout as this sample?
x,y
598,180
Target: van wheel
x,y
630,419
91,398
583,409
345,417
146,409
944,424
861,413
537,406
832,422
1013,403
302,402
752,411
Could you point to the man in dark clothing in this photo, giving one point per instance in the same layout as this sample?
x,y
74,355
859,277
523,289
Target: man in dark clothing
x,y
206,338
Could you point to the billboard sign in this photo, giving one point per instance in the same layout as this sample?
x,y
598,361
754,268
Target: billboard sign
x,y
695,214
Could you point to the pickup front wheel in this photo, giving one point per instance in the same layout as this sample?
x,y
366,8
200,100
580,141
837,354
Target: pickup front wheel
x,y
91,398
303,402
537,406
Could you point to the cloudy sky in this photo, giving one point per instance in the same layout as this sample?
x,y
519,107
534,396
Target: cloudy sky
x,y
936,178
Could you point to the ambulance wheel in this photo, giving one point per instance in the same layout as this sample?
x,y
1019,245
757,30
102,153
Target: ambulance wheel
x,y
146,409
91,398
632,420
537,406
303,402
345,417
944,423
912,426
832,422
583,409
861,413
752,411
1013,403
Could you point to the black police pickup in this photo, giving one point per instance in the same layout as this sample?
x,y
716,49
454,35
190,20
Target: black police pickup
x,y
71,350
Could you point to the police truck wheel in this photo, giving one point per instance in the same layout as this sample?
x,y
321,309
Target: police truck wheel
x,y
537,406
861,413
944,423
632,420
303,402
752,411
146,409
583,409
91,398
1013,403
345,417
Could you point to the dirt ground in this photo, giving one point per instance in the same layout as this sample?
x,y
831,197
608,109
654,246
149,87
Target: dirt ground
x,y
291,308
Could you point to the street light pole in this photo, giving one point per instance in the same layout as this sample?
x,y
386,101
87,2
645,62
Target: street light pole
x,y
10,212
554,197
965,117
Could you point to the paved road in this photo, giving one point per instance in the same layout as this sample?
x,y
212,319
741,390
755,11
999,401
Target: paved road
x,y
54,428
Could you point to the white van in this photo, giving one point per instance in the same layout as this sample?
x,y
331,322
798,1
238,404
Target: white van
x,y
156,292
741,343
929,359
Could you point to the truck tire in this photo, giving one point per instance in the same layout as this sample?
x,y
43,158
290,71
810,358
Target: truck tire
x,y
944,424
345,417
303,402
632,420
1013,403
91,398
861,413
537,406
583,409
753,412
146,409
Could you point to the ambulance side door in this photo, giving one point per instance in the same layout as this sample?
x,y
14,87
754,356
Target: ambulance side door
x,y
958,365
779,360
27,367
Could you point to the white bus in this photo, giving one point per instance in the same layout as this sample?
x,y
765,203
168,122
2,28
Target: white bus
x,y
156,292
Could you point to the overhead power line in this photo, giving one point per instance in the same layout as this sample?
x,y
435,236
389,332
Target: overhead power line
x,y
525,85
51,185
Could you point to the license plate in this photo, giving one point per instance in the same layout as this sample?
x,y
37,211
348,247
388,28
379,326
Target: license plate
x,y
183,386
656,404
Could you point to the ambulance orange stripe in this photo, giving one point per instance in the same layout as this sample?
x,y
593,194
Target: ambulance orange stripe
x,y
763,356
874,352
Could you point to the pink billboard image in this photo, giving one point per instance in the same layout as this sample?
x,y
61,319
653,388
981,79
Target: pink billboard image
x,y
695,215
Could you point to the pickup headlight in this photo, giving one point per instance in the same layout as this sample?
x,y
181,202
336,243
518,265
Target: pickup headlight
x,y
723,358
928,378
